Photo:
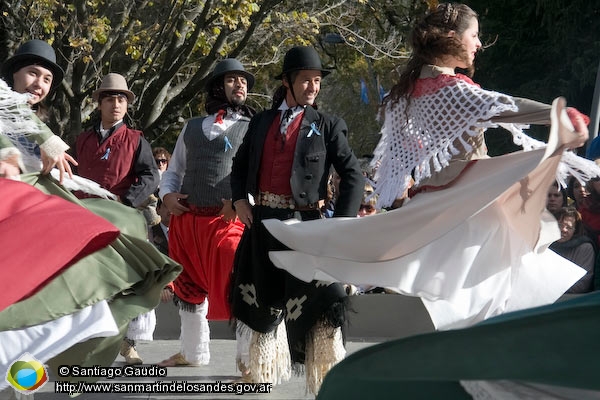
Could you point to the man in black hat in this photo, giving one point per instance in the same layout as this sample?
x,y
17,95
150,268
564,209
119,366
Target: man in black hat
x,y
284,163
33,53
204,231
33,70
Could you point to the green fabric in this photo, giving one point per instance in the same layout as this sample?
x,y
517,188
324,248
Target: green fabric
x,y
5,142
104,350
43,133
555,345
130,267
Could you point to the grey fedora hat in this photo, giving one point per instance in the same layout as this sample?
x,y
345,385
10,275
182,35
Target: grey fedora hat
x,y
113,82
34,52
302,58
229,65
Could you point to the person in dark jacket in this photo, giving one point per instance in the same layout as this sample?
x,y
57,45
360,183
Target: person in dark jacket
x,y
575,246
120,160
112,154
284,164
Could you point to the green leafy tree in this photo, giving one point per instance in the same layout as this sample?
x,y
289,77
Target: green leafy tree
x,y
166,48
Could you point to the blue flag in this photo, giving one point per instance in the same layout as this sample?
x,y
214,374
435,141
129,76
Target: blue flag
x,y
364,97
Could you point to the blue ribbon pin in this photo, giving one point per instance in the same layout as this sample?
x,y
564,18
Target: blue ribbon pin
x,y
227,144
105,156
313,128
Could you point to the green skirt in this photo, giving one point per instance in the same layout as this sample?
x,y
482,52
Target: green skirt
x,y
557,344
130,273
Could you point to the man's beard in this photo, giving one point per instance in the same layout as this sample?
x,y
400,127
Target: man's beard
x,y
237,101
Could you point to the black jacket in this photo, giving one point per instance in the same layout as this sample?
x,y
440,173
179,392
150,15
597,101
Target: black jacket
x,y
314,155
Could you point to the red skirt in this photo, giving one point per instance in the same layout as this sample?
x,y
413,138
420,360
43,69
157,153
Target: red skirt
x,y
41,235
205,246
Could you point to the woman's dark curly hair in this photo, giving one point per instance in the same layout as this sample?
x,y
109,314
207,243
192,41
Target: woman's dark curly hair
x,y
429,41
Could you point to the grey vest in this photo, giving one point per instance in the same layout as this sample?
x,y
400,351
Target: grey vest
x,y
208,162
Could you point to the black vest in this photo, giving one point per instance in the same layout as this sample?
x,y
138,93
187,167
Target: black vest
x,y
208,162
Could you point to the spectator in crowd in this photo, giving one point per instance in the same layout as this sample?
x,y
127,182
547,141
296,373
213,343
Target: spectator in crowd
x,y
158,234
575,246
367,206
333,188
557,198
590,210
161,157
576,192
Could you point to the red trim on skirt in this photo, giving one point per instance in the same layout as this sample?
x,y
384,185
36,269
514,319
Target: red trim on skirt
x,y
430,188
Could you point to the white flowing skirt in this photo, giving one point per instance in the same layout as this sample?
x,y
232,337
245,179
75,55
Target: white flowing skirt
x,y
471,251
51,338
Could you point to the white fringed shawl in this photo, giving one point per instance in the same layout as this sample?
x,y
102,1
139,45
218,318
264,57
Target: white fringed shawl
x,y
21,126
17,122
434,128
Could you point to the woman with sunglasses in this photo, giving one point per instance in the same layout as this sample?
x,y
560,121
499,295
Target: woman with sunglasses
x,y
162,158
367,206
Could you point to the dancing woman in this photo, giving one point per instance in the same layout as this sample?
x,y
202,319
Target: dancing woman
x,y
471,242
33,72
75,272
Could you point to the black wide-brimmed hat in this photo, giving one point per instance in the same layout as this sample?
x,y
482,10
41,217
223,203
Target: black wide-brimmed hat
x,y
34,52
302,58
226,66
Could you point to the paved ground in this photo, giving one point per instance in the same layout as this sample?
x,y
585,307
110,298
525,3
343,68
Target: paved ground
x,y
374,318
222,368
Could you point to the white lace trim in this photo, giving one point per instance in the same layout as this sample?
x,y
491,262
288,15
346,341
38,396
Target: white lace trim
x,y
20,124
8,152
54,146
243,336
324,349
142,326
17,121
195,335
570,164
270,356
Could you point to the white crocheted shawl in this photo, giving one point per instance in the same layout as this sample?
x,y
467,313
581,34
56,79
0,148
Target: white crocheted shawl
x,y
434,129
17,123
